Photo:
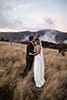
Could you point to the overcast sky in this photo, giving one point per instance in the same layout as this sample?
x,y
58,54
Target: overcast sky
x,y
33,15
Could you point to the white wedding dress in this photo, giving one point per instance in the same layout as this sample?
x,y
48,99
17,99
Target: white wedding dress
x,y
39,69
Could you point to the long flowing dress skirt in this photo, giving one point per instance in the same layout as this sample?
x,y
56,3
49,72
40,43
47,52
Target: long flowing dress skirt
x,y
39,71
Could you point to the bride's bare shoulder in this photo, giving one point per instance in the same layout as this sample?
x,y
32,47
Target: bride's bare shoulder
x,y
38,47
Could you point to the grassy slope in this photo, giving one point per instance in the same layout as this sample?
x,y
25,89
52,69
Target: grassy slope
x,y
14,87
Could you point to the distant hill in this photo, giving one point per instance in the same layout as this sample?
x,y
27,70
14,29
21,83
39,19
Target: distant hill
x,y
53,36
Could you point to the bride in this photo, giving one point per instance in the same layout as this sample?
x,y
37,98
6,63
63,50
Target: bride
x,y
38,64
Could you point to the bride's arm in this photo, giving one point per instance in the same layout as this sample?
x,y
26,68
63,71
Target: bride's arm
x,y
37,51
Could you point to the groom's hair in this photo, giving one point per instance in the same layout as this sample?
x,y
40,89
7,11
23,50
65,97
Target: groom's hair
x,y
31,38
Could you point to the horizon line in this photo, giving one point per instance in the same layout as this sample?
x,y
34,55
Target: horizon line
x,y
33,31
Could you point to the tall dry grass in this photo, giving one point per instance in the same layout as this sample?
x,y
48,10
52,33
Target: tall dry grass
x,y
14,87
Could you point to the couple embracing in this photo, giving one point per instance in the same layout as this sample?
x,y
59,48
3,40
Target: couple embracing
x,y
34,57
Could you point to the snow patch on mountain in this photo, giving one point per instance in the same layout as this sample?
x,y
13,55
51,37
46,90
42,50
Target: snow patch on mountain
x,y
49,36
65,41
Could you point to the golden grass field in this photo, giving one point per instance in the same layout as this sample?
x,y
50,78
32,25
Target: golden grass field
x,y
14,87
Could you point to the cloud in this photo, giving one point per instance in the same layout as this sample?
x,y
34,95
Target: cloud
x,y
25,5
5,7
24,15
6,20
3,20
49,21
42,21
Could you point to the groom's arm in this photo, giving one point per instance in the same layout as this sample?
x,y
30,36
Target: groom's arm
x,y
30,49
37,51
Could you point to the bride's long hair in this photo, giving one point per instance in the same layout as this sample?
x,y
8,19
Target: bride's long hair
x,y
37,41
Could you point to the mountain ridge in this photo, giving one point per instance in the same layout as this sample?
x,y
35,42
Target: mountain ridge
x,y
46,35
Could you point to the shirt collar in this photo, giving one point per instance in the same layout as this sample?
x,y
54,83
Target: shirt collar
x,y
32,42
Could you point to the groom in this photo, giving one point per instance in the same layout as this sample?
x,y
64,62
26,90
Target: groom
x,y
29,58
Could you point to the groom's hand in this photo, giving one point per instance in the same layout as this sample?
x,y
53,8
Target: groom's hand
x,y
31,54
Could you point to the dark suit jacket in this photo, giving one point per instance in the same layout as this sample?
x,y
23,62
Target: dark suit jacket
x,y
30,49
